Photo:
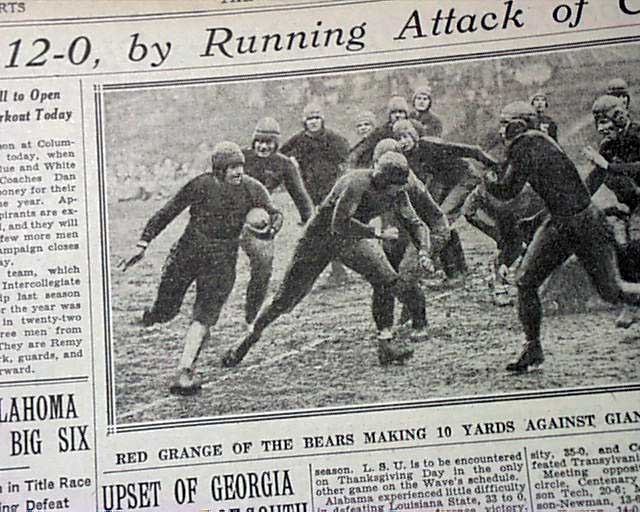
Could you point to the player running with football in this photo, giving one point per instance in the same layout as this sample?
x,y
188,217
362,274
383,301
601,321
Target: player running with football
x,y
340,230
207,251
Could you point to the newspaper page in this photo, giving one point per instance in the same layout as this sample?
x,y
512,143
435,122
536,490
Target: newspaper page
x,y
378,202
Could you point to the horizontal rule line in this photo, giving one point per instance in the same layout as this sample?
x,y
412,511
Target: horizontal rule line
x,y
41,382
446,402
506,52
152,16
17,468
373,450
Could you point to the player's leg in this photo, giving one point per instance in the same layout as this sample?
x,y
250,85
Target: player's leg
x,y
453,258
213,286
547,251
260,254
479,211
311,256
596,249
628,259
178,272
367,258
383,300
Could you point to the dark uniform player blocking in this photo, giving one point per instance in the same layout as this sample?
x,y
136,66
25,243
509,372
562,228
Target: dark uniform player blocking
x,y
440,165
339,231
206,252
617,165
430,213
574,226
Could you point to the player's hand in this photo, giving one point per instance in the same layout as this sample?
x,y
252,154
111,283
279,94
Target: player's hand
x,y
490,177
124,264
502,273
389,234
426,263
594,157
276,223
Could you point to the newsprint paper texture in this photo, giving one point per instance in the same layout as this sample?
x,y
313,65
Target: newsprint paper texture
x,y
148,145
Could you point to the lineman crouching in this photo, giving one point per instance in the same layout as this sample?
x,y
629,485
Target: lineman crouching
x,y
207,251
340,230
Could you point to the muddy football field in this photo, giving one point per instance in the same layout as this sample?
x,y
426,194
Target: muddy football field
x,y
323,354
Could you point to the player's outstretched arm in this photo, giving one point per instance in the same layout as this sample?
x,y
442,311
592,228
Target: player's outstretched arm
x,y
125,263
295,187
458,150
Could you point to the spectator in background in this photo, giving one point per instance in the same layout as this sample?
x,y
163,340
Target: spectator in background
x,y
362,154
422,103
321,155
544,123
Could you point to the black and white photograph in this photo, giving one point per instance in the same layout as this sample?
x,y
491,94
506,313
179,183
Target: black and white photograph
x,y
286,243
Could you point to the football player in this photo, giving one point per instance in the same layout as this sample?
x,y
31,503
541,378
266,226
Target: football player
x,y
422,103
340,230
207,251
618,166
321,154
266,164
574,225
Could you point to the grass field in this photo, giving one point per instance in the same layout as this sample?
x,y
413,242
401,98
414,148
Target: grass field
x,y
324,353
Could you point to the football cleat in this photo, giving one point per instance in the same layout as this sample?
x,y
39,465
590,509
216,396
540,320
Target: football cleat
x,y
186,383
419,335
627,317
531,356
385,334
